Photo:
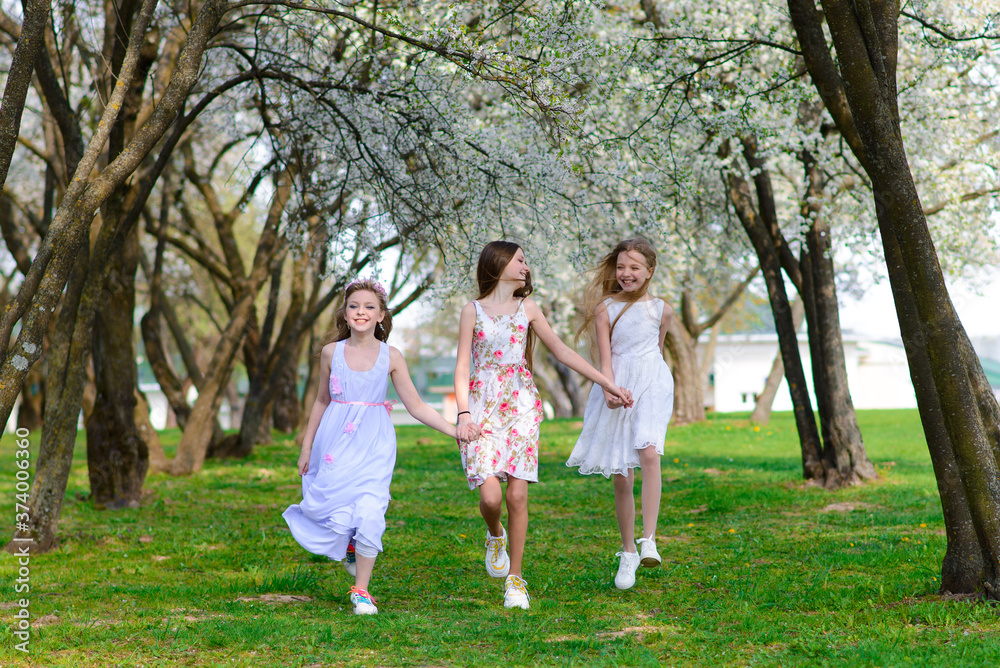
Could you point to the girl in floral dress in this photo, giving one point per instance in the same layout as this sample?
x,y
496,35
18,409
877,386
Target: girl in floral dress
x,y
496,331
349,448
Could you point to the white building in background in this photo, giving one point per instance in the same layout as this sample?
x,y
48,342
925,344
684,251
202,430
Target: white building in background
x,y
877,372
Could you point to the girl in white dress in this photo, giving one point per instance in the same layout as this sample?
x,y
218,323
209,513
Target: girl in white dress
x,y
629,327
349,448
496,332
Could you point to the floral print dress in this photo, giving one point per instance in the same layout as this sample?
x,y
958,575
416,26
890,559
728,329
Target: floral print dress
x,y
504,401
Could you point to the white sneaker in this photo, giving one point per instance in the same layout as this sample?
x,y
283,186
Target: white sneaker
x,y
626,569
497,561
648,555
363,602
515,592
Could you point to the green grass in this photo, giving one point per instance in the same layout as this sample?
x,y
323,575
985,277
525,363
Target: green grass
x,y
755,572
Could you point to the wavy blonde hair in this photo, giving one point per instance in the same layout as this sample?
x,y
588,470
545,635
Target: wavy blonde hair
x,y
604,285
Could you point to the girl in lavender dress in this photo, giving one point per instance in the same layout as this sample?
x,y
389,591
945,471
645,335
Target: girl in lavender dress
x,y
349,448
496,332
629,326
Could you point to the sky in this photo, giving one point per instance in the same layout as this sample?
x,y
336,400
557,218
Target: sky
x,y
874,314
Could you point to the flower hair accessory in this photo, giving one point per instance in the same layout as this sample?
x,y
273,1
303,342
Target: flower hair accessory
x,y
378,287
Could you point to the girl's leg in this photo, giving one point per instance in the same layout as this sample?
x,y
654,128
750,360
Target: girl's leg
x,y
490,501
625,509
517,521
649,460
365,555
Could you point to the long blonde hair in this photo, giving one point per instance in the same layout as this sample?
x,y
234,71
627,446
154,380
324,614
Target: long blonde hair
x,y
493,259
342,331
604,284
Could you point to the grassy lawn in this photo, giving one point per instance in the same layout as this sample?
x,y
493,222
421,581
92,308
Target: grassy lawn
x,y
759,570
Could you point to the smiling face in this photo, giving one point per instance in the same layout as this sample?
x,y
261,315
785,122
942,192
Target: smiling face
x,y
632,272
363,311
516,269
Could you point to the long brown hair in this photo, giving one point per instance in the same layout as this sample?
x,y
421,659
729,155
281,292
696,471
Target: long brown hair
x,y
493,259
604,284
341,331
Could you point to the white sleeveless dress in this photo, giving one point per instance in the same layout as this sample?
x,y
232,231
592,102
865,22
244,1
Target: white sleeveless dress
x,y
611,438
345,491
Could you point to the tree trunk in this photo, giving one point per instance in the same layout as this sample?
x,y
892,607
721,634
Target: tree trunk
x,y
576,390
64,252
67,371
309,396
708,357
287,405
963,566
689,394
157,458
548,384
197,436
29,415
765,400
30,44
805,421
117,455
865,35
43,287
843,453
843,446
171,385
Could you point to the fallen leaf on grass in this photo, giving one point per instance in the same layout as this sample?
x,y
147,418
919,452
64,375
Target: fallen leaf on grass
x,y
145,539
639,632
44,620
276,598
157,557
95,623
700,509
846,507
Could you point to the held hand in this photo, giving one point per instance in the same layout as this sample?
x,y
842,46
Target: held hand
x,y
612,401
467,430
620,394
628,397
304,460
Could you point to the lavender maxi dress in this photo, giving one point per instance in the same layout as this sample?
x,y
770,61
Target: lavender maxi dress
x,y
345,492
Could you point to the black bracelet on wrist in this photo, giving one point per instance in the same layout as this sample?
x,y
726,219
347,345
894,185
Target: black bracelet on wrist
x,y
463,413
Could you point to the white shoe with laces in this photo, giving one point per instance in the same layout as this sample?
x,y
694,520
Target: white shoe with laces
x,y
515,592
648,556
497,560
363,602
626,569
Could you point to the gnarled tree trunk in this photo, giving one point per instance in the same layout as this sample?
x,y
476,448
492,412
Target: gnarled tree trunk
x,y
765,399
863,106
